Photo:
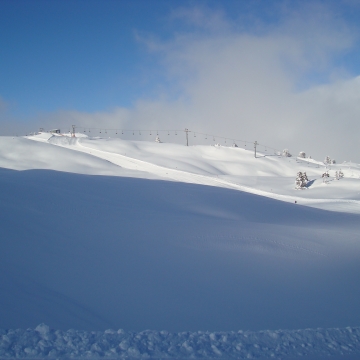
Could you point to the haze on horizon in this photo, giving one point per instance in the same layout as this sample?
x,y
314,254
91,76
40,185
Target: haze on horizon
x,y
285,73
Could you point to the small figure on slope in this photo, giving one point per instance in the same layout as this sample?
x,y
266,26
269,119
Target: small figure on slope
x,y
301,181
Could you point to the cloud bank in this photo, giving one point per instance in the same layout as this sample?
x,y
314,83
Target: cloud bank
x,y
278,84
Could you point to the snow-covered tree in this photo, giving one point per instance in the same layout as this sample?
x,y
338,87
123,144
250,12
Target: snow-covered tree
x,y
302,155
286,153
158,139
339,175
327,160
234,145
325,176
301,181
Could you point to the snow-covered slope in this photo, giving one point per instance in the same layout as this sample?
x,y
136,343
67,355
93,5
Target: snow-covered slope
x,y
233,168
22,154
130,249
93,252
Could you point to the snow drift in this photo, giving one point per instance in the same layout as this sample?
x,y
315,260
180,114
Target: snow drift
x,y
92,253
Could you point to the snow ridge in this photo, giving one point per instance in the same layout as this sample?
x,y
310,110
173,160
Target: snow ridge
x,y
43,342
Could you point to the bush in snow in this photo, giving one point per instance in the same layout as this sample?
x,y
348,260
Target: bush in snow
x,y
286,153
234,145
302,154
157,140
301,181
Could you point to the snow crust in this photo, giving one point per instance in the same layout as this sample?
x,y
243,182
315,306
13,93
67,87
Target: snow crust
x,y
43,342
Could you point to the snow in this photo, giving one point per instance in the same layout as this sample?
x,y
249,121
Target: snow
x,y
234,168
21,154
103,233
43,342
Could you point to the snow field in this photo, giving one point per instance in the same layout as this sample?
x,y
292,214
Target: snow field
x,y
147,246
97,252
229,168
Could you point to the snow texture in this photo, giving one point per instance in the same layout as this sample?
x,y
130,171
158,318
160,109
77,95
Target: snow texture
x,y
43,342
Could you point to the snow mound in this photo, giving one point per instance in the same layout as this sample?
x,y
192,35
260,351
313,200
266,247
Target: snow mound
x,y
45,343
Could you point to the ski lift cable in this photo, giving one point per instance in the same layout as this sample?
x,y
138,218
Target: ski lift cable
x,y
175,131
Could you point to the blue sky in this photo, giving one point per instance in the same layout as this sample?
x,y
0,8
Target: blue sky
x,y
115,63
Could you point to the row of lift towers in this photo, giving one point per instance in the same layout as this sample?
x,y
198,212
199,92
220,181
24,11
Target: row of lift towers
x,y
73,134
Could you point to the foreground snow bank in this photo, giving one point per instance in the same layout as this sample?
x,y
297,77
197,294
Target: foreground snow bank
x,y
45,342
99,252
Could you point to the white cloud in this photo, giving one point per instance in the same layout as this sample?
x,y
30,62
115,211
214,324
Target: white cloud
x,y
246,85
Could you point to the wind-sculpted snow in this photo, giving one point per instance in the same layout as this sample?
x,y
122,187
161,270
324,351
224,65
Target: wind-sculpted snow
x,y
97,252
43,342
